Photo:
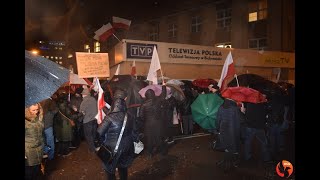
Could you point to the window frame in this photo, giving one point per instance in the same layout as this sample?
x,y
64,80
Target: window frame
x,y
196,22
224,18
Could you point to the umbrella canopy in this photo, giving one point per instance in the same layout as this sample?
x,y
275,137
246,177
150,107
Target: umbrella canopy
x,y
74,79
203,83
156,88
265,86
205,108
129,84
175,82
42,78
176,92
243,94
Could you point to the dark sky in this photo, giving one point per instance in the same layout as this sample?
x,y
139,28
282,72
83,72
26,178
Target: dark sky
x,y
46,18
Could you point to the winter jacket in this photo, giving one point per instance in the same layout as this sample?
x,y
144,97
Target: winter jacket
x,y
228,124
34,139
109,131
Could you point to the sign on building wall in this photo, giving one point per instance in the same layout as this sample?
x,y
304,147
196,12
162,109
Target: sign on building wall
x,y
92,64
139,50
195,54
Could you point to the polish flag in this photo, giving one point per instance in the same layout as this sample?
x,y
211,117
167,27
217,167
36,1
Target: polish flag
x,y
101,102
118,70
228,72
154,67
120,23
133,69
104,32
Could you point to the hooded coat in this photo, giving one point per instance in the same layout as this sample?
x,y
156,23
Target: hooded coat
x,y
34,140
109,131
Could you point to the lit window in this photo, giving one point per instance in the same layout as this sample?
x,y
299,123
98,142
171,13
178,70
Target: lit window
x,y
196,24
60,57
253,16
60,48
56,57
47,57
86,46
258,10
60,62
224,18
258,43
51,57
96,47
172,31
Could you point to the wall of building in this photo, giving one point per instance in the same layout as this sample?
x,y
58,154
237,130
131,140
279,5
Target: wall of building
x,y
185,61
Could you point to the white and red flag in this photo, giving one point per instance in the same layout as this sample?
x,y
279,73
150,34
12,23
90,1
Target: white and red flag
x,y
120,23
104,32
228,72
101,102
154,67
118,70
133,69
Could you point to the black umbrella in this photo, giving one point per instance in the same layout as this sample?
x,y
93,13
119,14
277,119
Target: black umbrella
x,y
129,84
42,78
258,83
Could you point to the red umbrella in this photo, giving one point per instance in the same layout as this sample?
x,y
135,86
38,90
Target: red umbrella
x,y
243,94
203,83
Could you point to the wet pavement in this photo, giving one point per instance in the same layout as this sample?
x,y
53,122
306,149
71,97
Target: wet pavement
x,y
187,159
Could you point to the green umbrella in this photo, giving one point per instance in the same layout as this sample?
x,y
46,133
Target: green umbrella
x,y
204,110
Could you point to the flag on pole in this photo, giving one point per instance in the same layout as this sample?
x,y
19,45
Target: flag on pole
x,y
101,102
133,69
118,70
154,67
104,32
120,23
228,72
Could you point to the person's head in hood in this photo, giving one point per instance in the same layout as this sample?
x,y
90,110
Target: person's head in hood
x,y
149,94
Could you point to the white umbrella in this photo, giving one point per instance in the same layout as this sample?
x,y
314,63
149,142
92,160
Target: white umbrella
x,y
74,79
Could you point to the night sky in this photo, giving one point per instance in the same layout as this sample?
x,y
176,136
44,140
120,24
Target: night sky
x,y
46,19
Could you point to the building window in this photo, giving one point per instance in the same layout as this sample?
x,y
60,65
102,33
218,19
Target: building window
x,y
86,47
196,24
60,57
257,10
96,47
154,32
224,18
258,43
172,31
224,45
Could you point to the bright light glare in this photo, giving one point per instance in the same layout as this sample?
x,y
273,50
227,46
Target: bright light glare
x,y
35,52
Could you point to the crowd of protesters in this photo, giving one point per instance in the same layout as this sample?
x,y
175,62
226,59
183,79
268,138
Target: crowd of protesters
x,y
57,125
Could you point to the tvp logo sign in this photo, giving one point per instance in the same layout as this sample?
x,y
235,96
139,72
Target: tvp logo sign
x,y
140,51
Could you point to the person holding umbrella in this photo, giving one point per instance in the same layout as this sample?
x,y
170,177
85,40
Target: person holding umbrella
x,y
34,141
153,124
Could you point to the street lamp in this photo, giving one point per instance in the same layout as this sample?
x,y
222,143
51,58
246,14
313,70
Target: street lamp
x,y
35,52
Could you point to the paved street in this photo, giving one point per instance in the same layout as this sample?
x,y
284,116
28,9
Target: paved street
x,y
189,158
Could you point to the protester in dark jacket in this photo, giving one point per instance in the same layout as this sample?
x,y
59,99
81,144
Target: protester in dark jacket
x,y
153,124
108,133
185,111
255,127
228,125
